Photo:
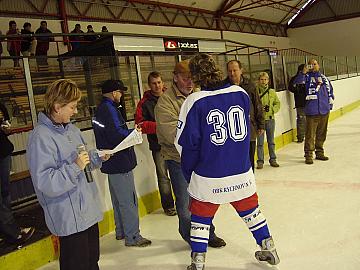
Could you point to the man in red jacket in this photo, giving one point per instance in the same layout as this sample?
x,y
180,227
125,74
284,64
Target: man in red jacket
x,y
145,118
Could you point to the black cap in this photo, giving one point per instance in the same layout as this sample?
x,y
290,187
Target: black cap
x,y
112,85
89,26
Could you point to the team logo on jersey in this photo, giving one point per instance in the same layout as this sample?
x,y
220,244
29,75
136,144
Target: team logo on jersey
x,y
180,124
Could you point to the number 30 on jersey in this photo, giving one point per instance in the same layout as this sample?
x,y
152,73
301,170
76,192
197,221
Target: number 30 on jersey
x,y
232,124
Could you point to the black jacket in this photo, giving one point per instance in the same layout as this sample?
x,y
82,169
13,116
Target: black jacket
x,y
145,117
256,108
6,147
110,129
26,41
299,90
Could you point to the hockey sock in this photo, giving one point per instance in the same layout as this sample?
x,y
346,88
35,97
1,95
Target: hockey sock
x,y
199,233
256,223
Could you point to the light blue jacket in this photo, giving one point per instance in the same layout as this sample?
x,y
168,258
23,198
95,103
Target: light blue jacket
x,y
70,203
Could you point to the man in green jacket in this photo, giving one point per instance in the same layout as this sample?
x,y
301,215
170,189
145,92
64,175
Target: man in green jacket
x,y
271,105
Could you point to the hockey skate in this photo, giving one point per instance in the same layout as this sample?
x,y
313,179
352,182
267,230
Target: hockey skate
x,y
268,252
197,261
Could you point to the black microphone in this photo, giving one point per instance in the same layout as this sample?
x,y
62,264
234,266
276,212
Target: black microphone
x,y
89,178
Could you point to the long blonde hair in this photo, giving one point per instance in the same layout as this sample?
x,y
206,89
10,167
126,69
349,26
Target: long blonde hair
x,y
62,92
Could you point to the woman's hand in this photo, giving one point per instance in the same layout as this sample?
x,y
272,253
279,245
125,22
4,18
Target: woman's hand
x,y
82,160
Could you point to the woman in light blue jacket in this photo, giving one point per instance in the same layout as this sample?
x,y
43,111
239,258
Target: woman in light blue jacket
x,y
71,204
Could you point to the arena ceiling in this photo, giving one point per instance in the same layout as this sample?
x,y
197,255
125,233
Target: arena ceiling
x,y
274,11
264,17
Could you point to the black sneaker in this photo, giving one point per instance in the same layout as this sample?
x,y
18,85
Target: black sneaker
x,y
120,237
273,163
217,242
322,157
140,242
25,234
170,212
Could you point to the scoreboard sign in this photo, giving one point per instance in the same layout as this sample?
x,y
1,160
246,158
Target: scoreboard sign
x,y
174,44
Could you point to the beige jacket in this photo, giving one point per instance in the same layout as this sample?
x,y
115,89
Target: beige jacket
x,y
167,112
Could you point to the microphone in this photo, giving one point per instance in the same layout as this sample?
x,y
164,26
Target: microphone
x,y
89,178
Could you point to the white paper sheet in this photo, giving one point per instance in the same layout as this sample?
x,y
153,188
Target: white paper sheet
x,y
135,137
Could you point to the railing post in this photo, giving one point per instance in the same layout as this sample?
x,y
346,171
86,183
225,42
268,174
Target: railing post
x,y
30,90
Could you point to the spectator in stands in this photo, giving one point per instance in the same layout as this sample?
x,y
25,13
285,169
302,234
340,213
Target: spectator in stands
x,y
6,148
28,43
104,29
297,86
76,41
319,101
145,118
235,71
42,47
57,161
167,112
110,129
91,36
271,105
14,42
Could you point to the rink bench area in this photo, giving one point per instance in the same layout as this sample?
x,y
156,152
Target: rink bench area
x,y
38,253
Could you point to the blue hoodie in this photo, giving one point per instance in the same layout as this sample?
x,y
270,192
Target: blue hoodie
x,y
319,94
70,203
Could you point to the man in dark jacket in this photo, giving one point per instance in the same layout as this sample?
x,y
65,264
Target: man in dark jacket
x,y
42,44
8,227
297,86
234,70
6,148
110,129
28,43
145,118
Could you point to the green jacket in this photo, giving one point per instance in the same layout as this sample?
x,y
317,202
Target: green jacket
x,y
270,99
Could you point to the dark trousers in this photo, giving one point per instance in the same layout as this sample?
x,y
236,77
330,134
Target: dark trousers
x,y
300,123
5,165
252,154
315,134
80,251
8,227
164,183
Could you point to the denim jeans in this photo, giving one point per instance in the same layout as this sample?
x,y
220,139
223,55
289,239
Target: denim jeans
x,y
5,164
164,183
182,199
270,132
300,123
125,204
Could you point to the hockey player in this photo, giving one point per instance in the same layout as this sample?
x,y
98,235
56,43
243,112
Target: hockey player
x,y
213,129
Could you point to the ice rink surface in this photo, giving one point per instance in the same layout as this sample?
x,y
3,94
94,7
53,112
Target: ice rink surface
x,y
313,212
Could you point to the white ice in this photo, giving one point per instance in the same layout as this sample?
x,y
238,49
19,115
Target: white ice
x,y
313,212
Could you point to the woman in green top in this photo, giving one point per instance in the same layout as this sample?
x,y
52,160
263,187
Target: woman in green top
x,y
271,105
